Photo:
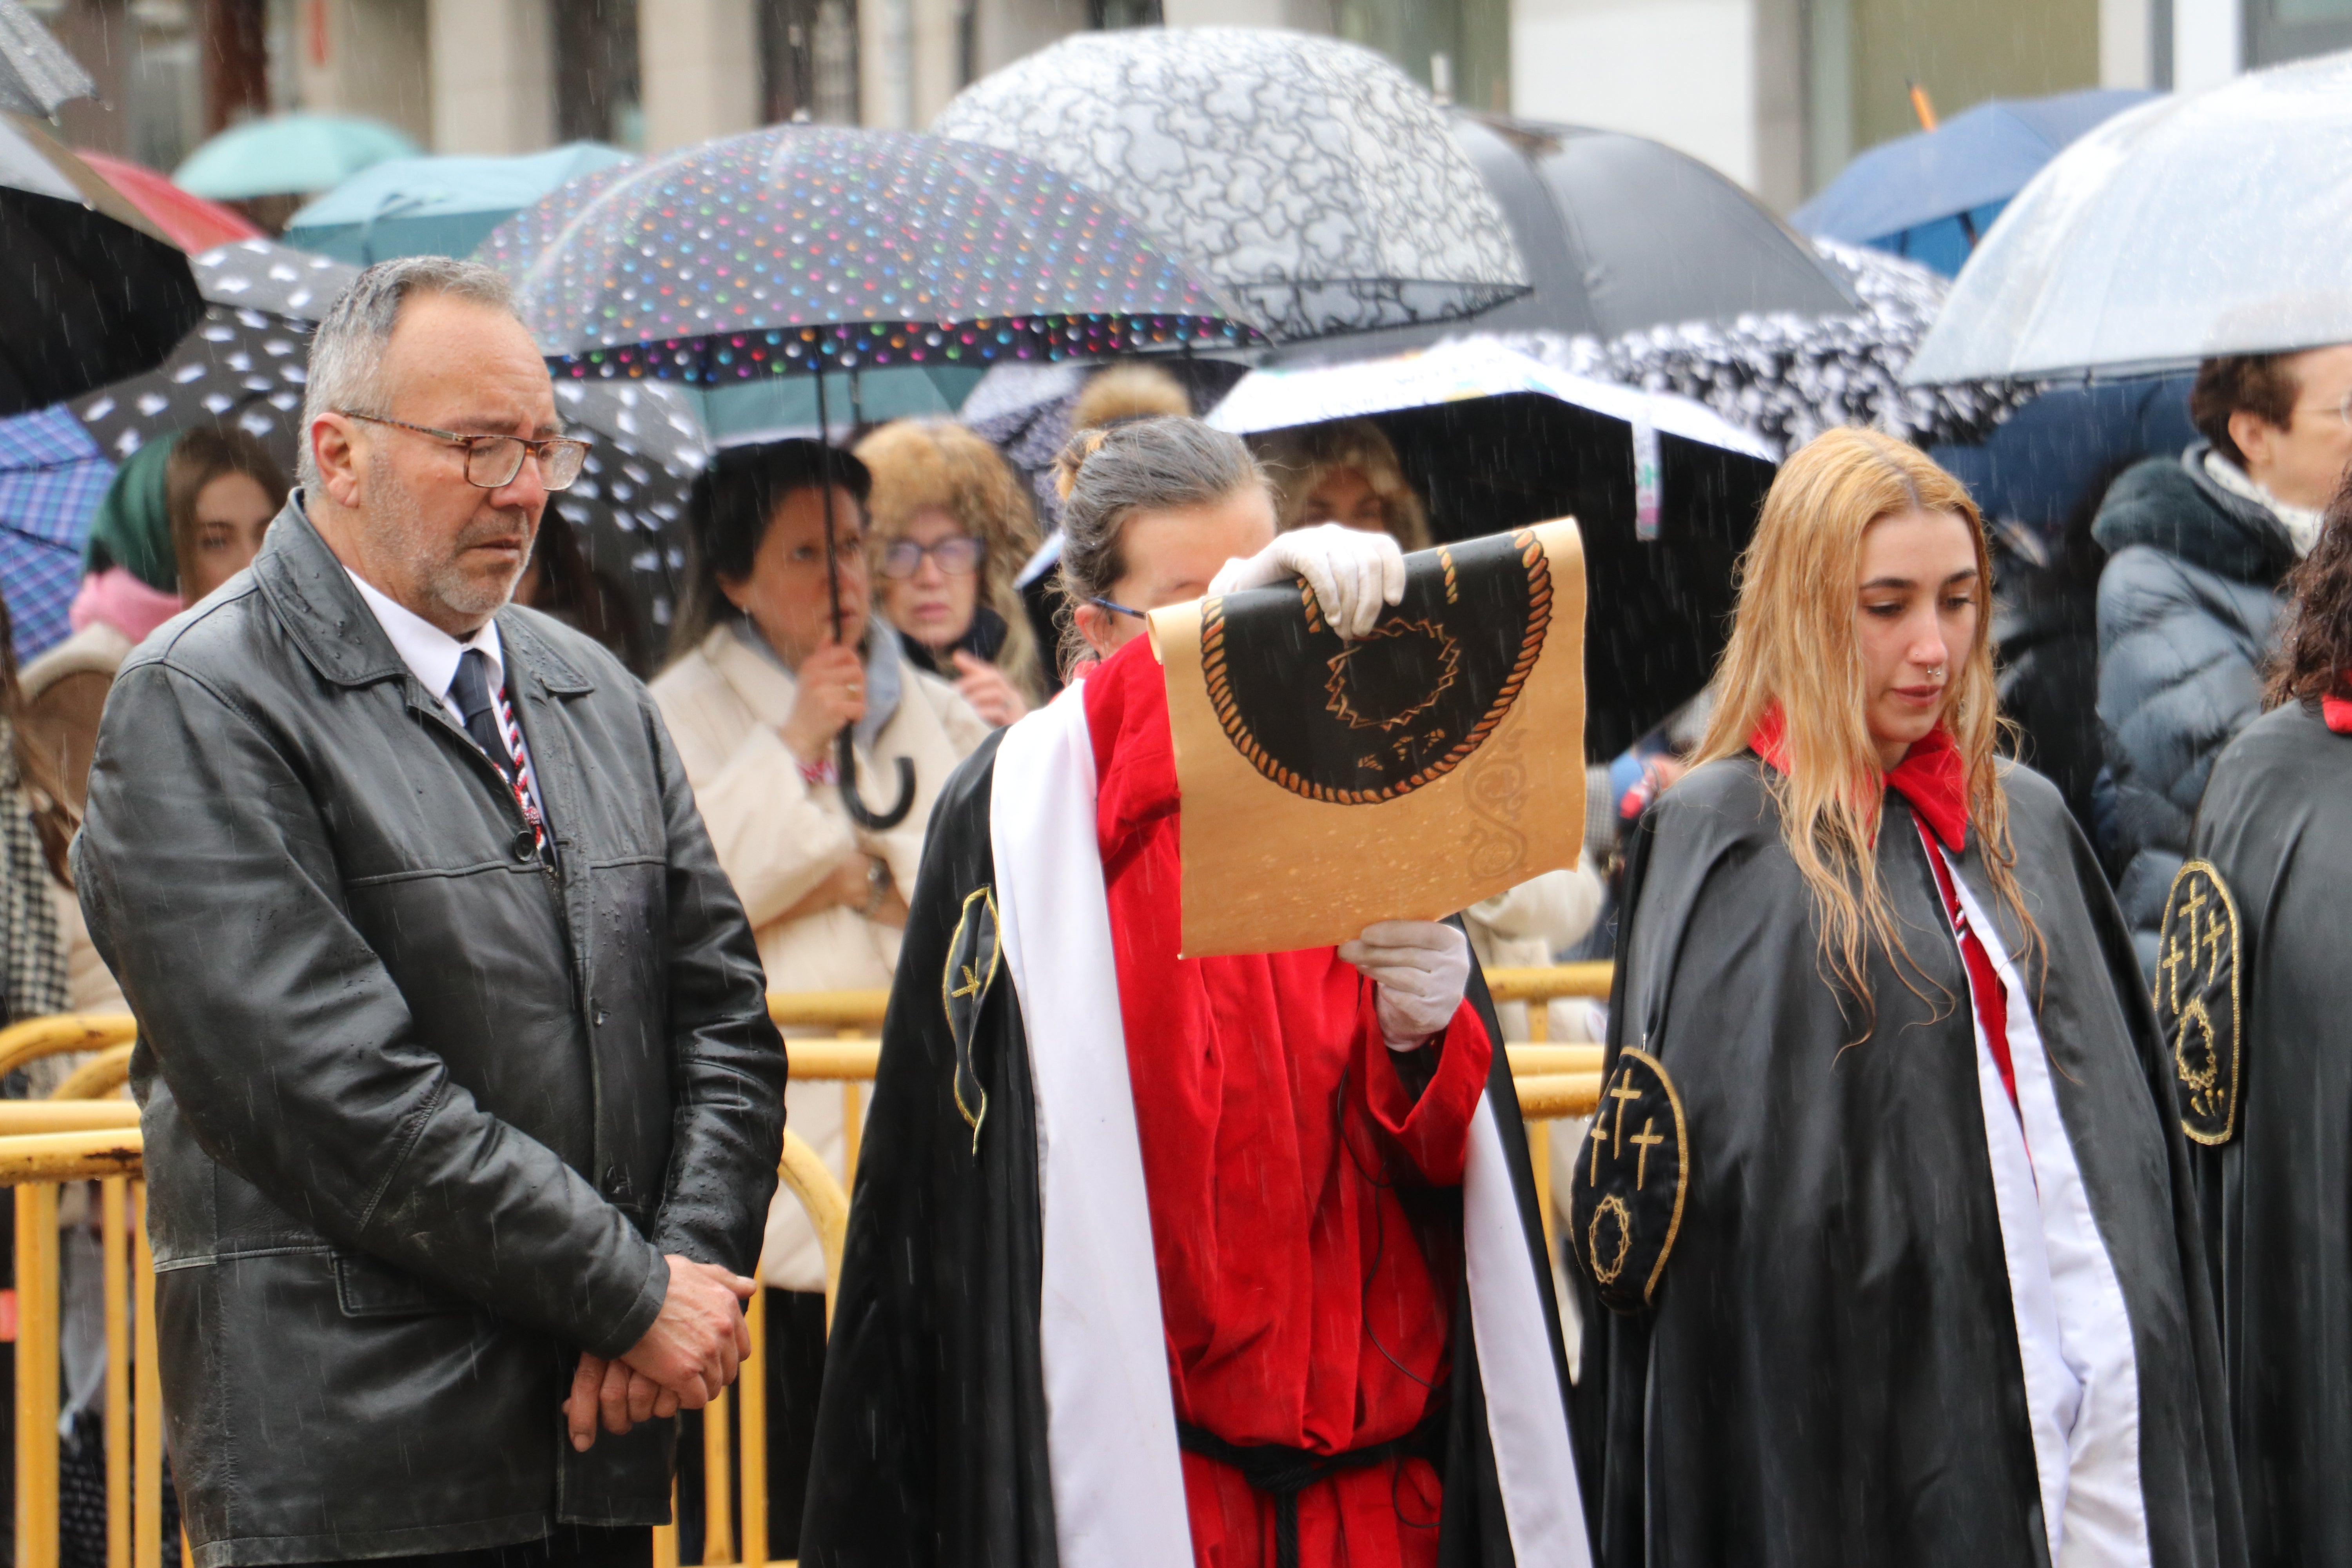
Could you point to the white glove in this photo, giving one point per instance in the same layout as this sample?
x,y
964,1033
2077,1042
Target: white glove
x,y
1422,968
1355,574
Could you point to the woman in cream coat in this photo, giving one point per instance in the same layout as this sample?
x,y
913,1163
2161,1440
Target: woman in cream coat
x,y
753,703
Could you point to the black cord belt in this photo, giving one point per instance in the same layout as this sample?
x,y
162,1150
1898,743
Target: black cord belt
x,y
1282,1473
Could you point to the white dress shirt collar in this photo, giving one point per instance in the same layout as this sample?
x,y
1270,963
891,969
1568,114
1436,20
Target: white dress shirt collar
x,y
428,650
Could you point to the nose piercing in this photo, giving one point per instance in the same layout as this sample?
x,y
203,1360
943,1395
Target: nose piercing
x,y
1936,673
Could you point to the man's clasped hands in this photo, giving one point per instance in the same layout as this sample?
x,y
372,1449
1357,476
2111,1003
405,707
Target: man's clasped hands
x,y
685,1359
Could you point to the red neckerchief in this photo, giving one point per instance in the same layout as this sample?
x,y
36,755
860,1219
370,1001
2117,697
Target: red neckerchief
x,y
1934,778
2337,712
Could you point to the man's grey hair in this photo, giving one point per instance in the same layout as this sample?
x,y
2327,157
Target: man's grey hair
x,y
347,350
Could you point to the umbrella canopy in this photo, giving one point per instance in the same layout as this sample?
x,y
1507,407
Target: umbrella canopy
x,y
436,206
89,289
1932,195
1313,180
1664,492
1622,234
2206,223
629,506
245,365
37,75
51,479
1787,378
190,222
802,248
286,153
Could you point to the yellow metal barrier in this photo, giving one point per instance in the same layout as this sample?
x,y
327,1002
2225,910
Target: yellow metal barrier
x,y
73,1137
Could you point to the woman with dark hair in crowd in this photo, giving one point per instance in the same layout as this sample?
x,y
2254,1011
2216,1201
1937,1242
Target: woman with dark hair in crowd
x,y
2253,990
1159,1260
1886,1199
950,525
756,693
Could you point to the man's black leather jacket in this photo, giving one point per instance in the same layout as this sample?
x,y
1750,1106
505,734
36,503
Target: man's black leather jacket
x,y
423,1113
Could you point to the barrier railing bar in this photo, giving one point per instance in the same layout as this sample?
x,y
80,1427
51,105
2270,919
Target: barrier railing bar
x,y
18,1117
98,1077
114,1234
47,1036
751,1424
718,1497
146,1403
36,1376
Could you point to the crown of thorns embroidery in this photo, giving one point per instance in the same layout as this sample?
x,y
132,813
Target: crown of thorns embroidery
x,y
1444,654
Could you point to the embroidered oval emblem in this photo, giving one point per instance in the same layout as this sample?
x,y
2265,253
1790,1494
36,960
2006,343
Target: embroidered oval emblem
x,y
2197,1000
1404,706
1625,1200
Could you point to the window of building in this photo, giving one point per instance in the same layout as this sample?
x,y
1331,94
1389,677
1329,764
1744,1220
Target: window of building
x,y
1101,14
596,91
808,59
2280,30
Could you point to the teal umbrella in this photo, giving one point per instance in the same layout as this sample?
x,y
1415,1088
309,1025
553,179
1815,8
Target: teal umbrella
x,y
286,154
436,206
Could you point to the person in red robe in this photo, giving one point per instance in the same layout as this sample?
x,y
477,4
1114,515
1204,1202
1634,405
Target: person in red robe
x,y
1301,1138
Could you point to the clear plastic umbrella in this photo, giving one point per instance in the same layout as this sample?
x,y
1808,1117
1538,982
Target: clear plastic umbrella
x,y
2214,222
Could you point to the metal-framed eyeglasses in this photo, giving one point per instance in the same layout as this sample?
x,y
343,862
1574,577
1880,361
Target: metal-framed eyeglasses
x,y
493,461
959,555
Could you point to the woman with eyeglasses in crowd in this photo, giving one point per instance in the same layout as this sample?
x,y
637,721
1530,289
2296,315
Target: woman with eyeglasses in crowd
x,y
759,688
948,526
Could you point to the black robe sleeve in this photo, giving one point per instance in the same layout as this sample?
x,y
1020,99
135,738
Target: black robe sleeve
x,y
2275,1190
930,1431
1828,1370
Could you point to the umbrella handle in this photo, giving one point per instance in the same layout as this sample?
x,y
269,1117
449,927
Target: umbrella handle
x,y
845,754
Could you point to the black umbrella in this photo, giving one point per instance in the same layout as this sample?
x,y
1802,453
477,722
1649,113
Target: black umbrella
x,y
801,249
91,291
1652,270
1493,442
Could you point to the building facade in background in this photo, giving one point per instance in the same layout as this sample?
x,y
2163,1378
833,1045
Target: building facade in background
x,y
1777,94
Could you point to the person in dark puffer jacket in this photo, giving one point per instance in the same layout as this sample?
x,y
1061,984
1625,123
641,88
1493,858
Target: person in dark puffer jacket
x,y
2197,548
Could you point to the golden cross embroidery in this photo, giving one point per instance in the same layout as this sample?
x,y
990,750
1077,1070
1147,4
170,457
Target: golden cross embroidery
x,y
2175,958
1624,1094
1646,1140
971,986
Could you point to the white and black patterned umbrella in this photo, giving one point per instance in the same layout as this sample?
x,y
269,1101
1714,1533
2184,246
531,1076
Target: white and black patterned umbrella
x,y
1313,180
1786,378
244,363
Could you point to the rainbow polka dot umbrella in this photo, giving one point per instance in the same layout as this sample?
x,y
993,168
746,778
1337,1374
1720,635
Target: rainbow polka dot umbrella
x,y
805,248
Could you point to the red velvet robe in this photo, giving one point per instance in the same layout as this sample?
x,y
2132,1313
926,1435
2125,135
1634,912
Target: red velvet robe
x,y
1299,1305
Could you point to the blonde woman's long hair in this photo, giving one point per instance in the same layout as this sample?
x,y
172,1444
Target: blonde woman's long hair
x,y
1793,644
922,465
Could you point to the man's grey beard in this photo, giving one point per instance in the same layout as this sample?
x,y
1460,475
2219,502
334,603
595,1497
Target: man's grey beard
x,y
424,561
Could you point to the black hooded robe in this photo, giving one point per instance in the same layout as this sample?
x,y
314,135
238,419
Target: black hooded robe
x,y
1829,1370
2273,1165
932,1433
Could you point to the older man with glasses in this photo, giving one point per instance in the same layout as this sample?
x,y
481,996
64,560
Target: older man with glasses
x,y
461,1101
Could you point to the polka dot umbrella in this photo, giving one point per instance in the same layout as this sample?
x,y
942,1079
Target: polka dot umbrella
x,y
805,248
802,248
